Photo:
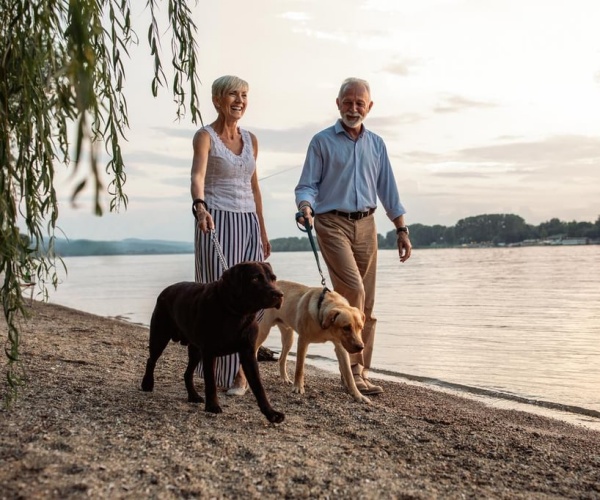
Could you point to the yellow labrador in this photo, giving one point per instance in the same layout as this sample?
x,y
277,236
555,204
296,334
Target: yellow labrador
x,y
318,315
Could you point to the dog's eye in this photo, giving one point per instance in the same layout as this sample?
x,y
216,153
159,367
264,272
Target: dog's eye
x,y
347,328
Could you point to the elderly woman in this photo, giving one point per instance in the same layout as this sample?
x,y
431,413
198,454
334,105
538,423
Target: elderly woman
x,y
226,197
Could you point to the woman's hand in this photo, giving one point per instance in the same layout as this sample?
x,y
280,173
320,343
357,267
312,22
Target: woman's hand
x,y
204,219
266,244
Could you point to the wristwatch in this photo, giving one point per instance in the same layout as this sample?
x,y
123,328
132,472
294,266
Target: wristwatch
x,y
402,229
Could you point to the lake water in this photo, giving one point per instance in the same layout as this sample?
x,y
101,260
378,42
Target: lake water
x,y
511,325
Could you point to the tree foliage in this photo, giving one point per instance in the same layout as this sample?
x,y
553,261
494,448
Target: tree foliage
x,y
494,229
486,230
62,72
291,244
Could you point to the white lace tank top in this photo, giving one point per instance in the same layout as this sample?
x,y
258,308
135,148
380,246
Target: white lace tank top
x,y
227,185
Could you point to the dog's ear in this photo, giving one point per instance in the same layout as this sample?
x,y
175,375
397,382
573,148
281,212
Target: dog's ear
x,y
329,318
231,277
268,270
235,278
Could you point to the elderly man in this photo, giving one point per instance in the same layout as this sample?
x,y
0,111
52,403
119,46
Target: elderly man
x,y
346,170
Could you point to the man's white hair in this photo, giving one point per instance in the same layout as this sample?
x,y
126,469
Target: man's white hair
x,y
348,82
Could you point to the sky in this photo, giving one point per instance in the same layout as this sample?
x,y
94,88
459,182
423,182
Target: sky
x,y
486,106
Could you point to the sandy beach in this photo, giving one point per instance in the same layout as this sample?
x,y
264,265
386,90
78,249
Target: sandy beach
x,y
83,428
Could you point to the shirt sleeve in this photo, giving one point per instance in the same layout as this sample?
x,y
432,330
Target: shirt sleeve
x,y
387,190
310,178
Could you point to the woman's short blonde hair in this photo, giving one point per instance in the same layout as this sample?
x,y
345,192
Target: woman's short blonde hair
x,y
226,83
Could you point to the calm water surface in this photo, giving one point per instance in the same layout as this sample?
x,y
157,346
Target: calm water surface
x,y
522,324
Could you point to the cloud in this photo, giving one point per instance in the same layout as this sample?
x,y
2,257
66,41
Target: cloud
x,y
521,177
390,126
401,66
291,140
564,149
397,68
455,103
136,160
556,150
174,132
288,140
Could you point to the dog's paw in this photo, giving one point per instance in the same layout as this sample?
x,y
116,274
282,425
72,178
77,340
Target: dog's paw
x,y
288,381
213,409
298,389
147,384
360,398
275,417
195,398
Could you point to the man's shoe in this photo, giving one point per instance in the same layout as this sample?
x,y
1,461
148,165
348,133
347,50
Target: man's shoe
x,y
365,387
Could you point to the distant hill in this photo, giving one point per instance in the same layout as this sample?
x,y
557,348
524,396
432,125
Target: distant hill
x,y
130,246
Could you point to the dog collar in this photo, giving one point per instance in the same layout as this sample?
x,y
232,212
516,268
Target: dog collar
x,y
320,303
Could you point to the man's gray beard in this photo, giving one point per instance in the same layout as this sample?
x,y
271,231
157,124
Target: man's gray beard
x,y
357,123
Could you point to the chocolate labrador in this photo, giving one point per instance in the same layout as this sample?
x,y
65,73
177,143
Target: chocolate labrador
x,y
215,319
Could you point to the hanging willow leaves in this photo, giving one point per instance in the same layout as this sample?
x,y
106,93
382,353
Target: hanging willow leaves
x,y
62,70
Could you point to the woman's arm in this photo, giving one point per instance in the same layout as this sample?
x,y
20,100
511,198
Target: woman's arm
x,y
258,202
201,145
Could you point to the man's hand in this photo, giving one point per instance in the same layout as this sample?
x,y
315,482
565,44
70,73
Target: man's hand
x,y
404,246
306,210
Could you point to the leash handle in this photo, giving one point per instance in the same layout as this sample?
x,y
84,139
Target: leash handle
x,y
213,236
299,215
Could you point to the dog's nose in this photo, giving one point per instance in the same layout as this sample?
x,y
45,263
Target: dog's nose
x,y
277,296
359,346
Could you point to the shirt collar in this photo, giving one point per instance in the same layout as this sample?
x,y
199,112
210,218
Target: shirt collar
x,y
339,129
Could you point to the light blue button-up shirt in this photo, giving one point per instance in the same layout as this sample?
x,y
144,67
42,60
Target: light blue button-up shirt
x,y
342,174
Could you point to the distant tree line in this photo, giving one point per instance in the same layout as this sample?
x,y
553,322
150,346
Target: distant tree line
x,y
130,246
487,229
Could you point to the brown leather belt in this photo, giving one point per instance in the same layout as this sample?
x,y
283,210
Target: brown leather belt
x,y
353,215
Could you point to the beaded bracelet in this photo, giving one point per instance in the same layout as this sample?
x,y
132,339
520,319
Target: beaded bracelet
x,y
194,203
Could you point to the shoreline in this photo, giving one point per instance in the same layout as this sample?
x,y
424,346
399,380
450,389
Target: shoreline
x,y
82,427
574,415
567,413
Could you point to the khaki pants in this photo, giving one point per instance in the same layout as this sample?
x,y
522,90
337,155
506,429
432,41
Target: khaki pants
x,y
349,249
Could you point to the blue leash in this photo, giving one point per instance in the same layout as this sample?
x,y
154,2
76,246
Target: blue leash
x,y
308,230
